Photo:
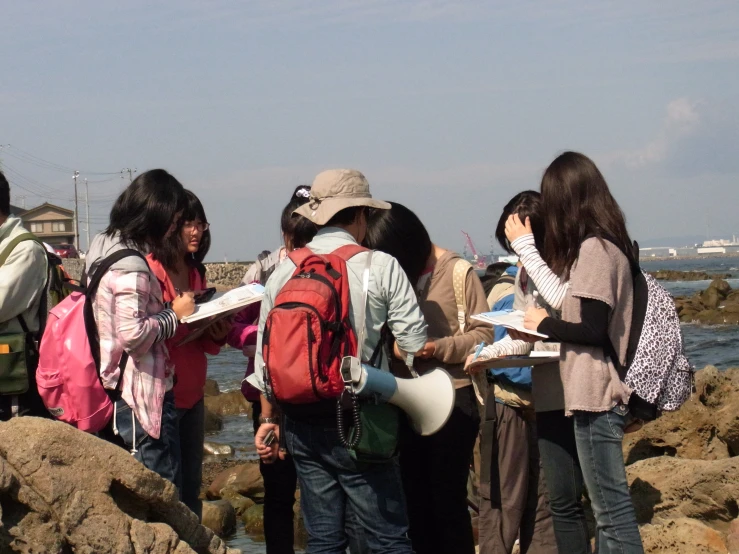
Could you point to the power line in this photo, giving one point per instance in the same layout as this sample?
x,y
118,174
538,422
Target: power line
x,y
46,164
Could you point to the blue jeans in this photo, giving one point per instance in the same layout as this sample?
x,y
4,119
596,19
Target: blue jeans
x,y
160,455
344,500
599,437
191,429
563,475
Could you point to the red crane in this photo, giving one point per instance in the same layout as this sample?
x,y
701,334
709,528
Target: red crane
x,y
477,260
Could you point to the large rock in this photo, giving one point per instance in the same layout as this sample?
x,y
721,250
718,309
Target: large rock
x,y
220,517
706,427
213,421
62,490
240,503
244,479
681,536
253,520
228,403
211,388
717,305
217,449
670,488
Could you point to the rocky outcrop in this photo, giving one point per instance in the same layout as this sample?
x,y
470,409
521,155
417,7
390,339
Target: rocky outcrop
x,y
682,535
683,471
220,517
717,305
244,479
672,275
228,403
705,428
62,490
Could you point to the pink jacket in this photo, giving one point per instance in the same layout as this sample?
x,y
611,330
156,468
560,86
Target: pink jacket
x,y
244,333
189,360
123,307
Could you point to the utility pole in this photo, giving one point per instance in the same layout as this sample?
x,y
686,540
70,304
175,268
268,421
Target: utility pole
x,y
76,213
130,173
87,214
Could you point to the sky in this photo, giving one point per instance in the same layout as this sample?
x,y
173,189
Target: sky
x,y
448,106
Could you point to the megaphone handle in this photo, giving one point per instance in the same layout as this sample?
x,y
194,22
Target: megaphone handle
x,y
343,435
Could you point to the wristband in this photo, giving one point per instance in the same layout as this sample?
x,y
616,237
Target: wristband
x,y
275,420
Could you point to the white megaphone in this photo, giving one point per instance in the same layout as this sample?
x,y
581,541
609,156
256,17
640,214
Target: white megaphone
x,y
428,400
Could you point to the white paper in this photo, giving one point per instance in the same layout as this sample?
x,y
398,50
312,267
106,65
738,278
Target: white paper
x,y
230,302
509,320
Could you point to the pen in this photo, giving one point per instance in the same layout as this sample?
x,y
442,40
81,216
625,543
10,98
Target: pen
x,y
479,350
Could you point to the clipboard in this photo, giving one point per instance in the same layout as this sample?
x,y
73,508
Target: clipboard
x,y
221,307
510,319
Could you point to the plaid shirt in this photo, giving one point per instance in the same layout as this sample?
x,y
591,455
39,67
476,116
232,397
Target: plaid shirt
x,y
126,307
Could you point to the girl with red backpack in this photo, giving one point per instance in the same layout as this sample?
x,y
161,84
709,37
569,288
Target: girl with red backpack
x,y
133,322
280,479
178,266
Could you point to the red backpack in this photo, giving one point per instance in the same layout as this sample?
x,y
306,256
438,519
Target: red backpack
x,y
308,331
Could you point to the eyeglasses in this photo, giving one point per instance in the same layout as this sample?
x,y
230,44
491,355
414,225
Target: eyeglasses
x,y
196,226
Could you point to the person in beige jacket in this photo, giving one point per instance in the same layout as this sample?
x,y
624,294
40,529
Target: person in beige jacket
x,y
22,280
435,468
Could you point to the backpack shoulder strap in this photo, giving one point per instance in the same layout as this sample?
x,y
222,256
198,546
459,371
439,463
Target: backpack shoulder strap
x,y
459,280
348,251
106,263
87,312
15,242
300,255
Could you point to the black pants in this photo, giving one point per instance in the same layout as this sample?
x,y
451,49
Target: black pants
x,y
435,471
280,483
564,480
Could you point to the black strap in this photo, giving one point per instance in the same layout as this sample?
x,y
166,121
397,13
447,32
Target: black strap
x,y
376,357
91,325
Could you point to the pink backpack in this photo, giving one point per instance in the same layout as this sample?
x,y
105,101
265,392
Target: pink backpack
x,y
68,375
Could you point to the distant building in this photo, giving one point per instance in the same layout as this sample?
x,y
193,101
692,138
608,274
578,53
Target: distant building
x,y
52,224
721,242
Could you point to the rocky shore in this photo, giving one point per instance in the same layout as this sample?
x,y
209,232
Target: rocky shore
x,y
683,471
672,275
717,305
62,490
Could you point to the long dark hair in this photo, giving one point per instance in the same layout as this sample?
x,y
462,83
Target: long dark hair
x,y
146,211
171,248
578,204
526,204
296,229
400,233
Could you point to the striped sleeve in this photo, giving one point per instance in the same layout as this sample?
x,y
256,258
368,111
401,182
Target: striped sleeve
x,y
551,288
167,324
506,347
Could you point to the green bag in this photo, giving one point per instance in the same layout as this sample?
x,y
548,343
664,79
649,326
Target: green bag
x,y
13,365
378,442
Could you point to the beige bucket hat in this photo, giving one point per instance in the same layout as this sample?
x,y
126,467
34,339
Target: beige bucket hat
x,y
336,189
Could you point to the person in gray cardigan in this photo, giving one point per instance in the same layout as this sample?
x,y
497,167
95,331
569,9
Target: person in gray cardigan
x,y
587,244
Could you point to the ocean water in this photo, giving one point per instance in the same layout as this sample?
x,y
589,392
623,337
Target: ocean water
x,y
704,345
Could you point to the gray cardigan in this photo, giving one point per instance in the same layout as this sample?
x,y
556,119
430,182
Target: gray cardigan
x,y
591,382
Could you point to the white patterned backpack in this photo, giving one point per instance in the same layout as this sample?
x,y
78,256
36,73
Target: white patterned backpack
x,y
656,369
